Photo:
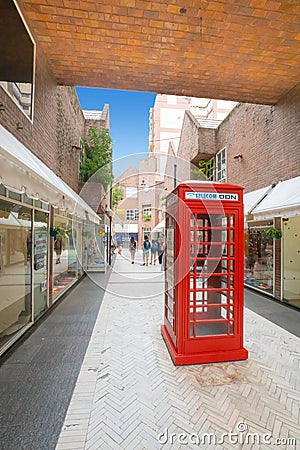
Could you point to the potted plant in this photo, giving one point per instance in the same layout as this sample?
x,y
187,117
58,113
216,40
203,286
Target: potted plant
x,y
273,233
57,230
146,217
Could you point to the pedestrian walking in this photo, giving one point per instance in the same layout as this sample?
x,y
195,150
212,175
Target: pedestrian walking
x,y
161,255
146,251
154,252
132,249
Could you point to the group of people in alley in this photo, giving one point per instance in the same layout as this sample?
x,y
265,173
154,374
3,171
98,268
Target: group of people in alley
x,y
152,251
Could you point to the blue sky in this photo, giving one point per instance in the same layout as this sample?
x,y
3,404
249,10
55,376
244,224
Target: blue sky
x,y
129,120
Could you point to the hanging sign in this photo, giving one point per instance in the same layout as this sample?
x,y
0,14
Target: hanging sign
x,y
212,196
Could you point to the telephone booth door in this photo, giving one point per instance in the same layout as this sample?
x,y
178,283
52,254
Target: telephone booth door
x,y
204,275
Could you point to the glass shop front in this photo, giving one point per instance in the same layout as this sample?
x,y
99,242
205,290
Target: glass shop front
x,y
38,263
259,257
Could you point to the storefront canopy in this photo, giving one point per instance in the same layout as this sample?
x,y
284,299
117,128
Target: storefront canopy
x,y
283,200
160,227
126,228
23,172
254,198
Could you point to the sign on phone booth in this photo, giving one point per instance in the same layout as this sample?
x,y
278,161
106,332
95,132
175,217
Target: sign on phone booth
x,y
204,279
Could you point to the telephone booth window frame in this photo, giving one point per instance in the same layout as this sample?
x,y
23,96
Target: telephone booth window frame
x,y
198,301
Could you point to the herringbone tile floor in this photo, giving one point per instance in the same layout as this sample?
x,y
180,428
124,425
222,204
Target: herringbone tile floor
x,y
129,395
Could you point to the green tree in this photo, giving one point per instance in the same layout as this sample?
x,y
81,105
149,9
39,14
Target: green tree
x,y
117,196
97,157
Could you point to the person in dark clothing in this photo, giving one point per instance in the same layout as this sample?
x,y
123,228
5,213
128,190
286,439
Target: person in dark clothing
x,y
58,245
161,250
154,252
146,251
132,249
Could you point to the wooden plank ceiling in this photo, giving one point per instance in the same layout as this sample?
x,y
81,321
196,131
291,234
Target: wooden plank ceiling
x,y
243,50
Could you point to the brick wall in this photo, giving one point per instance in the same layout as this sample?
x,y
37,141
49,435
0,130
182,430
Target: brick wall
x,y
57,124
103,122
195,142
268,137
69,131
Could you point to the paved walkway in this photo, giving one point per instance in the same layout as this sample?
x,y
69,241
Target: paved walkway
x,y
129,395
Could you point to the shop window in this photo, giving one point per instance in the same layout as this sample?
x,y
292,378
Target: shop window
x,y
95,244
291,261
64,255
259,258
15,269
17,57
78,246
40,262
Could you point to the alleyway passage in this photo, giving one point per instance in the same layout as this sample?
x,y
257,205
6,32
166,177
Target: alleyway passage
x,y
130,396
95,374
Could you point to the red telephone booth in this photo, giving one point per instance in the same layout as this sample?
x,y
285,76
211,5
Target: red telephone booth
x,y
204,260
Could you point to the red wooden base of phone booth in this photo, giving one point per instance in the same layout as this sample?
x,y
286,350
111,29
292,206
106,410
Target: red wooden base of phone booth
x,y
204,260
203,357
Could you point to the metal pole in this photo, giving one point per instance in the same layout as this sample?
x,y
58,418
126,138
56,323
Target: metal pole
x,y
110,225
175,175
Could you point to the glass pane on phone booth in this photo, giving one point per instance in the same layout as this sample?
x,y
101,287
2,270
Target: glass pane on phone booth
x,y
169,272
211,274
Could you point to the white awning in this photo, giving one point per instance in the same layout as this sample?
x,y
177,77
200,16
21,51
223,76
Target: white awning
x,y
22,171
10,219
160,227
126,228
283,200
115,218
251,199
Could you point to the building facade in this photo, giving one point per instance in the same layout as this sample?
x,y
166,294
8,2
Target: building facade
x,y
127,208
41,126
257,147
163,168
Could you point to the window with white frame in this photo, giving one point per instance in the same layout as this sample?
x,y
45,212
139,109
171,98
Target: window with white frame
x,y
131,192
147,210
210,169
132,214
146,232
221,165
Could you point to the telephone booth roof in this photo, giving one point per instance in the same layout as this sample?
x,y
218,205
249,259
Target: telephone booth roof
x,y
195,184
207,191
